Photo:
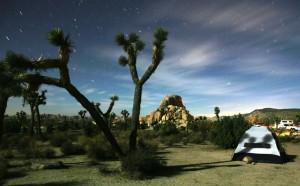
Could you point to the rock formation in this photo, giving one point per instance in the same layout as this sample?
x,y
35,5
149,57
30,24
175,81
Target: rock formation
x,y
171,108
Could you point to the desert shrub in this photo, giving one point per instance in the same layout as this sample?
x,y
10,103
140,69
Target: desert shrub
x,y
57,139
284,139
140,164
148,144
296,140
100,149
169,140
62,125
168,128
196,137
10,140
49,124
12,125
7,153
28,147
47,152
89,129
147,134
68,148
3,169
228,131
84,141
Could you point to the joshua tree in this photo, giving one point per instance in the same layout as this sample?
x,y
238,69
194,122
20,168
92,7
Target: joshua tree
x,y
34,99
106,115
8,87
132,45
82,113
217,112
125,114
59,39
111,119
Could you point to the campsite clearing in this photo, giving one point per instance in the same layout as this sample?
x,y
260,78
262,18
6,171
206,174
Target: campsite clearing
x,y
187,165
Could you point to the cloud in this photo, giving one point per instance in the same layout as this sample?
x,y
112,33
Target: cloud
x,y
89,90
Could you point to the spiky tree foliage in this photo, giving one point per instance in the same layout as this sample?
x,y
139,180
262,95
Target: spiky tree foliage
x,y
125,114
8,87
59,39
132,45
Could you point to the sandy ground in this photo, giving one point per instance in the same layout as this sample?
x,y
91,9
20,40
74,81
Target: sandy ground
x,y
187,165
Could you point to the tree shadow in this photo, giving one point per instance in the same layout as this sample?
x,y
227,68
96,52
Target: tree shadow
x,y
52,184
174,170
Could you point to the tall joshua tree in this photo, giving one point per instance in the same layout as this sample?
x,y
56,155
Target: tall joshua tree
x,y
125,114
63,42
132,45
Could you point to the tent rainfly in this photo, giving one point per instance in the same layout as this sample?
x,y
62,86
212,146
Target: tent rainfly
x,y
260,144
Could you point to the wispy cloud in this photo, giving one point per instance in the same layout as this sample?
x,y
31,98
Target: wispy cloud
x,y
89,90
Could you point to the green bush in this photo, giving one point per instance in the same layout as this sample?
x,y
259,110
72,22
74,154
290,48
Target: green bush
x,y
141,164
196,137
170,139
100,149
57,139
168,128
68,148
12,125
47,152
29,148
10,140
228,131
148,144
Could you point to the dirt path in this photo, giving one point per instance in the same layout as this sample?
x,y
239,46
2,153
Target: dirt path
x,y
187,165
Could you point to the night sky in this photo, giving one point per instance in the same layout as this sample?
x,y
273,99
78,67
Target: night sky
x,y
237,55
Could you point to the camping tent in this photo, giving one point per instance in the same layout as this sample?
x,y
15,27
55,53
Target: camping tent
x,y
261,144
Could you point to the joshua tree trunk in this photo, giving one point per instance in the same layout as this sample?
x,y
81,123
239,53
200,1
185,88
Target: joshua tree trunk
x,y
32,119
3,106
96,116
38,117
135,120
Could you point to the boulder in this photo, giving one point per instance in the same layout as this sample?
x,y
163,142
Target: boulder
x,y
171,108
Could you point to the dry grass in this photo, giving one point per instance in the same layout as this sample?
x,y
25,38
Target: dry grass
x,y
187,165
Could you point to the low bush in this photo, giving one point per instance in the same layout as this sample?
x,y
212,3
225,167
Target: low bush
x,y
148,144
99,149
68,148
196,137
12,125
47,152
141,164
166,129
170,139
228,131
284,139
28,147
57,139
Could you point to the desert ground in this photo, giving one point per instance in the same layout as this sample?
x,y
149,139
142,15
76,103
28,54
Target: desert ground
x,y
186,165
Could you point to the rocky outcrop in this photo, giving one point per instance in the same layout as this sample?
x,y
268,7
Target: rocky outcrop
x,y
171,108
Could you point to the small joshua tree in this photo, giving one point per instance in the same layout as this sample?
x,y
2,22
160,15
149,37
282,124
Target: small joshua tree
x,y
125,114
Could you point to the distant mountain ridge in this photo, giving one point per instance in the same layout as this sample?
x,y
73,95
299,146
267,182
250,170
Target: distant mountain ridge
x,y
267,115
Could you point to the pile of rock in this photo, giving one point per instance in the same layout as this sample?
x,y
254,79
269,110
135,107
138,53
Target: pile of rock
x,y
172,109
